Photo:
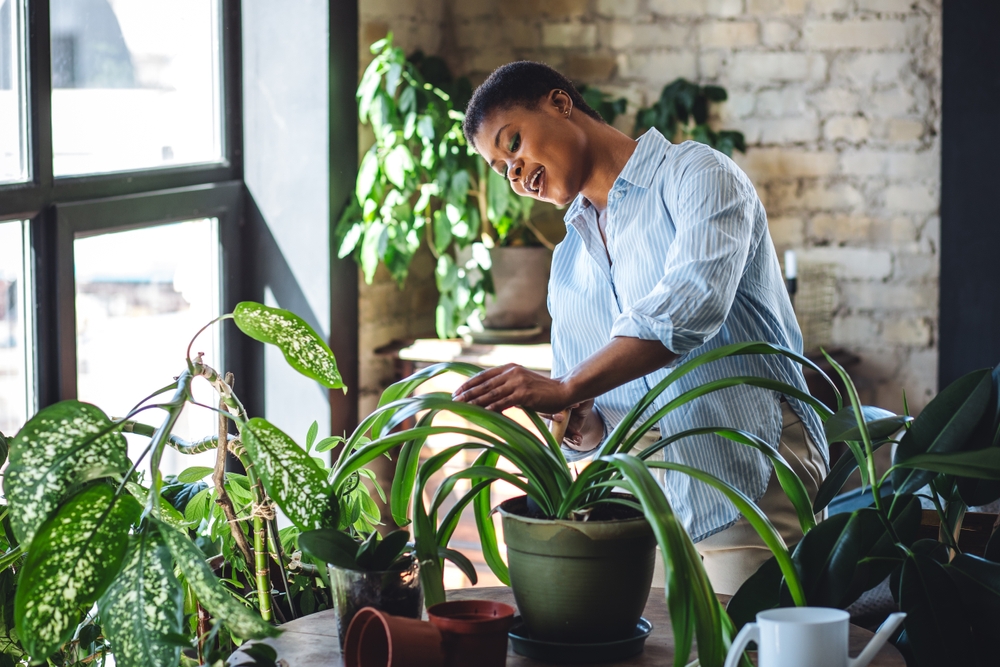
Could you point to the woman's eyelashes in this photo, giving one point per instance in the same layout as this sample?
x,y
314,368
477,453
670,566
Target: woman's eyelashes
x,y
515,142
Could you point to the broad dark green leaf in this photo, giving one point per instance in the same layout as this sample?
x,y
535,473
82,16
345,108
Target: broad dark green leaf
x,y
840,472
63,446
884,556
142,610
977,492
74,557
978,464
993,547
3,449
936,622
330,546
302,347
978,580
242,621
290,476
389,549
843,425
461,562
167,511
760,592
944,426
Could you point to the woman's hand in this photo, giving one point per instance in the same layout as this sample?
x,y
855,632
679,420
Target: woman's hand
x,y
585,429
512,385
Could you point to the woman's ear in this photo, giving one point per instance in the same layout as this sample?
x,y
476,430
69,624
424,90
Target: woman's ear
x,y
558,100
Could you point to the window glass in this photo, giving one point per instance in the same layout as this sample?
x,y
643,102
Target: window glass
x,y
135,84
16,387
140,297
13,135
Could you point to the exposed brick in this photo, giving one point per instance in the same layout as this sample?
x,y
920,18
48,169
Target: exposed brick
x,y
749,67
850,128
874,35
647,35
865,162
923,165
590,68
907,331
886,6
697,7
916,266
787,231
728,34
866,69
915,198
905,129
777,163
618,8
851,263
658,67
854,330
560,9
841,229
778,33
893,102
569,35
768,131
835,100
830,6
463,9
889,297
776,6
711,64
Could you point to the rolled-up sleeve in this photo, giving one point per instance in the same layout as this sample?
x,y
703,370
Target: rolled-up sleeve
x,y
713,216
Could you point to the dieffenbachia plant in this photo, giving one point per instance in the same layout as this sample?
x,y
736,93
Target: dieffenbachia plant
x,y
85,529
543,474
949,457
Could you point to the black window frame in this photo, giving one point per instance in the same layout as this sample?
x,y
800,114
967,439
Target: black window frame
x,y
60,209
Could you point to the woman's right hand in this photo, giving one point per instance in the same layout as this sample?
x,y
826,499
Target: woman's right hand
x,y
585,429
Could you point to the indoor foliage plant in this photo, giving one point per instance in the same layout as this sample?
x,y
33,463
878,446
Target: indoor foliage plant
x,y
102,559
562,497
948,456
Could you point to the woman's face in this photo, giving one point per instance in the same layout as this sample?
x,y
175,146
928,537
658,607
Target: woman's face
x,y
540,150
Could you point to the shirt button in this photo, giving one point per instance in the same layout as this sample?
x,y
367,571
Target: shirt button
x,y
618,195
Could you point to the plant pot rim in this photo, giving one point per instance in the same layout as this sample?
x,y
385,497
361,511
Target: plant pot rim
x,y
504,512
414,563
479,624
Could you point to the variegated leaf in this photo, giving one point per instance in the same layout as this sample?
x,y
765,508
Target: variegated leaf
x,y
168,512
63,446
242,621
141,612
73,559
304,350
291,477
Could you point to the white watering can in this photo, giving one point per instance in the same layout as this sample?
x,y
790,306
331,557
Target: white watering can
x,y
806,637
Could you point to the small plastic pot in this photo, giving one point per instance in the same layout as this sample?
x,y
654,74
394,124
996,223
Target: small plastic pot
x,y
474,632
375,639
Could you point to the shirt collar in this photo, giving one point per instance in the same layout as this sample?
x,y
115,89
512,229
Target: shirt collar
x,y
638,170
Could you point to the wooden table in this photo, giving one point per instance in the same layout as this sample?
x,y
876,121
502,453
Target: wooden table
x,y
312,641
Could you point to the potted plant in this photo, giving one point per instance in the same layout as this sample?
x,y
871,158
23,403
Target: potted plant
x,y
564,499
683,112
85,528
949,457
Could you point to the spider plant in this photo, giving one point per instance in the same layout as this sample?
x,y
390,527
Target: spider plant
x,y
545,477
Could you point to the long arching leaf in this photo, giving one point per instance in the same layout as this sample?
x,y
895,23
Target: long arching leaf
x,y
840,472
63,446
290,475
302,347
483,511
82,548
142,610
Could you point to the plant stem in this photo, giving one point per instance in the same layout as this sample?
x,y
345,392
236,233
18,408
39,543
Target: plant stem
x,y
260,557
219,479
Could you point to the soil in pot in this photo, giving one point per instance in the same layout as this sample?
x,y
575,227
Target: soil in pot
x,y
579,581
396,592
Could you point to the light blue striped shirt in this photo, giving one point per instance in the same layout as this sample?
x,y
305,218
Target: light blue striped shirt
x,y
693,266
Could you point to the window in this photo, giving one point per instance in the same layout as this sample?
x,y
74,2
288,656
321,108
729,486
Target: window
x,y
135,84
16,390
13,116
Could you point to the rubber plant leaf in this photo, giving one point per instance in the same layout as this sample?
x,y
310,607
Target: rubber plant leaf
x,y
242,621
944,426
62,447
760,592
936,622
74,557
840,472
142,611
304,350
843,425
291,477
977,492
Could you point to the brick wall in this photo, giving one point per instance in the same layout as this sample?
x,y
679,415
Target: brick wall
x,y
840,104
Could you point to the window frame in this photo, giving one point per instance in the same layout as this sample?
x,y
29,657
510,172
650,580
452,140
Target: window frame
x,y
60,208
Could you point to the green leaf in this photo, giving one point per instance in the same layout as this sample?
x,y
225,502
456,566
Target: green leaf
x,y
843,425
302,347
241,621
389,550
63,446
372,247
442,232
936,623
367,173
197,507
978,580
760,592
311,435
167,511
142,610
840,472
978,464
74,557
350,241
943,426
397,164
461,562
290,476
332,546
4,450
194,474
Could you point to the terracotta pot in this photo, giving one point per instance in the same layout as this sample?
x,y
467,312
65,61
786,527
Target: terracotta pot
x,y
473,632
396,592
521,282
375,639
578,581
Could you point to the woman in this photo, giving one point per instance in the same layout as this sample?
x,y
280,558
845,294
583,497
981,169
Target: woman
x,y
666,256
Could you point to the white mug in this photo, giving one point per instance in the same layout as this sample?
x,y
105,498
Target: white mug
x,y
806,637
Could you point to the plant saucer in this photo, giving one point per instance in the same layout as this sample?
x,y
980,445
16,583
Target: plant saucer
x,y
565,653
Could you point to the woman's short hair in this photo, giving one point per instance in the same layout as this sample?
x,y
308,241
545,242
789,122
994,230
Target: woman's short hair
x,y
522,83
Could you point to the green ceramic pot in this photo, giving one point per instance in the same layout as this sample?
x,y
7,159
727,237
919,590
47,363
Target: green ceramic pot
x,y
578,581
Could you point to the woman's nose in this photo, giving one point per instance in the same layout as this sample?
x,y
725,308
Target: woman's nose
x,y
516,170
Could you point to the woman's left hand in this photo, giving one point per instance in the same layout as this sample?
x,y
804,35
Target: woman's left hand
x,y
512,385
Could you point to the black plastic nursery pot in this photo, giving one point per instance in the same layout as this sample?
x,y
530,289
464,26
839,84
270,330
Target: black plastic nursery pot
x,y
396,592
579,581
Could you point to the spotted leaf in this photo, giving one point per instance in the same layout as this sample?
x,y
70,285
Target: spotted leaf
x,y
73,559
241,620
141,612
291,477
64,445
304,350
